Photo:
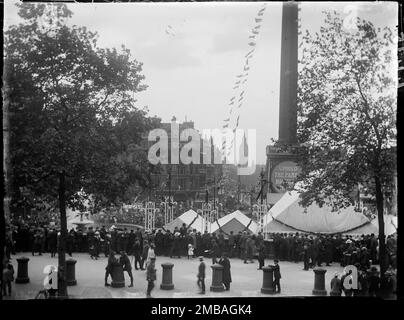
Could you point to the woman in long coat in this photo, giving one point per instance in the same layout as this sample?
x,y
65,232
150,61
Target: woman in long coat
x,y
225,262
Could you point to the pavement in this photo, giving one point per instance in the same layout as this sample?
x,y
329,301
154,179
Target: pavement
x,y
246,279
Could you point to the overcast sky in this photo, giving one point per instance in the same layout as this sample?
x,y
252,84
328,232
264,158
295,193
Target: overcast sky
x,y
190,72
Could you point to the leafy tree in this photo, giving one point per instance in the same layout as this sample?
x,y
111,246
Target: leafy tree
x,y
74,125
347,114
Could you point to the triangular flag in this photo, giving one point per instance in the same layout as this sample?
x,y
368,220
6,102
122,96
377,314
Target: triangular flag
x,y
249,53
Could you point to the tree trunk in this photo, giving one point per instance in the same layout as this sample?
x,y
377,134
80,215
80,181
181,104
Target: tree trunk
x,y
62,286
380,216
5,216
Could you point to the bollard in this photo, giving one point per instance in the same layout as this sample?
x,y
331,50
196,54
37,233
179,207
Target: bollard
x,y
22,273
217,278
71,272
167,279
268,280
319,282
118,279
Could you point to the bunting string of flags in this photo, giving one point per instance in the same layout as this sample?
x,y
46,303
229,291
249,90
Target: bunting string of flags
x,y
241,79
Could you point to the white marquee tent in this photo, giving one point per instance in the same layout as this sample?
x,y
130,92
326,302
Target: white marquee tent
x,y
288,215
192,219
235,221
390,226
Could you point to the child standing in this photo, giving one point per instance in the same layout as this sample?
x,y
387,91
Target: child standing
x,y
190,251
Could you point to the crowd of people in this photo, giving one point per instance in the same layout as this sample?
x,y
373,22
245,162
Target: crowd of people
x,y
312,250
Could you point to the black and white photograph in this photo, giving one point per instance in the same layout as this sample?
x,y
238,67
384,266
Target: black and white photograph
x,y
200,150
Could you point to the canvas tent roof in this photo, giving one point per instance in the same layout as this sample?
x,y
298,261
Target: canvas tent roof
x,y
390,226
235,221
288,212
368,228
187,217
273,226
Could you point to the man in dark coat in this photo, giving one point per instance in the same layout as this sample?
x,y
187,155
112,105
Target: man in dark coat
x,y
114,240
108,269
145,250
336,286
137,252
306,256
52,242
176,246
374,282
231,244
220,240
215,252
225,262
373,248
206,242
168,239
125,262
244,246
277,276
261,254
150,276
159,242
328,251
201,275
199,245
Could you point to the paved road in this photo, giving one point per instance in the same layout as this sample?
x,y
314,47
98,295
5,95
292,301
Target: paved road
x,y
247,280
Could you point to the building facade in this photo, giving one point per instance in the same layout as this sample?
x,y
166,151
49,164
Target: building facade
x,y
189,183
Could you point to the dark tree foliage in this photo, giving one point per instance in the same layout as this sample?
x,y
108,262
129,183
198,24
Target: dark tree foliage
x,y
74,124
347,114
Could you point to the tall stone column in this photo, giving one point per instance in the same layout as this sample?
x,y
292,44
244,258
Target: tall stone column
x,y
288,84
281,158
